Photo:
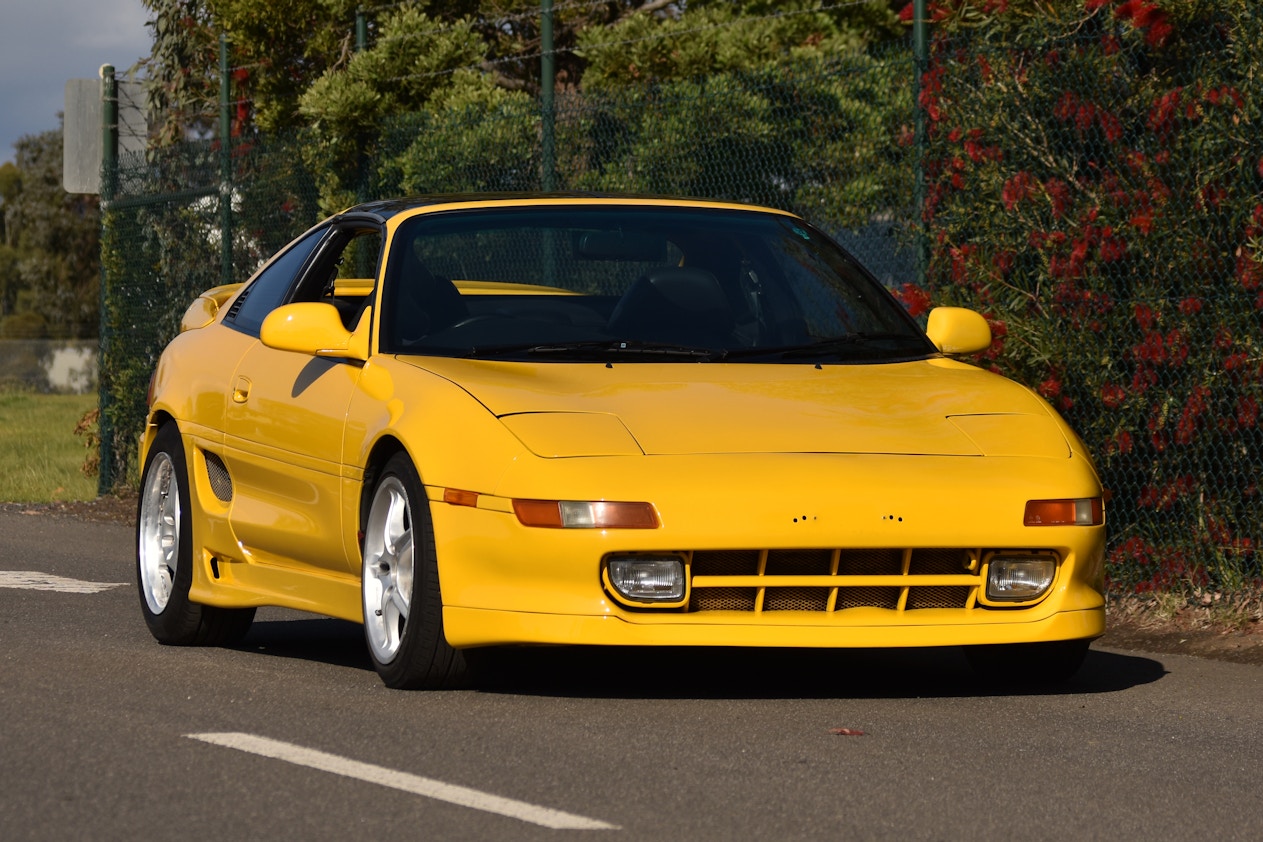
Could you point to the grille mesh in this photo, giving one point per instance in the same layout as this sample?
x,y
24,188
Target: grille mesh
x,y
217,475
837,593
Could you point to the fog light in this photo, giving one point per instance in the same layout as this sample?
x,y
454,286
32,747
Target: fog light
x,y
1019,578
647,578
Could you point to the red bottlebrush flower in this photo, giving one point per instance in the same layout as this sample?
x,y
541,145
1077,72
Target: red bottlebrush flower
x,y
1177,347
1017,189
1260,167
1066,106
1059,194
1162,113
1050,388
1237,361
1143,222
1111,126
1212,195
1151,348
1249,271
1193,409
915,300
1112,248
1247,411
1113,395
1143,380
1159,32
1146,316
1121,443
1003,261
1093,5
1191,306
907,12
984,67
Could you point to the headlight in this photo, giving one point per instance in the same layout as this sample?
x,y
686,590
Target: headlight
x,y
1019,578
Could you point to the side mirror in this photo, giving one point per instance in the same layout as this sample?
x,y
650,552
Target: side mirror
x,y
314,328
955,330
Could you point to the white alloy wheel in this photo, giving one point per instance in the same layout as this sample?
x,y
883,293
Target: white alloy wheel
x,y
389,566
158,529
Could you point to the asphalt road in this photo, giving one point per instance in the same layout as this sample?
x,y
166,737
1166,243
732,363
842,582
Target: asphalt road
x,y
106,735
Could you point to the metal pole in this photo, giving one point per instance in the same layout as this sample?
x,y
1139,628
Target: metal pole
x,y
921,64
361,156
225,164
109,185
548,77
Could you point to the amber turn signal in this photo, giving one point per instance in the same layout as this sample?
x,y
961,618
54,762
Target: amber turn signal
x,y
1087,511
576,514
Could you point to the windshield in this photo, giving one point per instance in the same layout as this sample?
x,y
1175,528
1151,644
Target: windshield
x,y
635,283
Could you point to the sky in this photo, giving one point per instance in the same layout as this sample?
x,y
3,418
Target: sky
x,y
43,43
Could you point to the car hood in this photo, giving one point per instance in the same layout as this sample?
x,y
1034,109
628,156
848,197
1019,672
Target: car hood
x,y
932,407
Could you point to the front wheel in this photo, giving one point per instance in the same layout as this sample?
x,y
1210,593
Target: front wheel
x,y
1049,662
403,607
164,556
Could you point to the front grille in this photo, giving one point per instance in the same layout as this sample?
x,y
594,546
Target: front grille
x,y
833,580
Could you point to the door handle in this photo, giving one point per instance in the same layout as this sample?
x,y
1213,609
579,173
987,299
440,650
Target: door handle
x,y
241,391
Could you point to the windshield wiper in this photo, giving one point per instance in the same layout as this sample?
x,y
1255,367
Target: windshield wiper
x,y
838,345
594,347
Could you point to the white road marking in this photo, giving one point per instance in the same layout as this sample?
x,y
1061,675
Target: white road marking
x,y
32,580
430,788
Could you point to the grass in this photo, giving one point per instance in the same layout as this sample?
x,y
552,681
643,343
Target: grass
x,y
40,455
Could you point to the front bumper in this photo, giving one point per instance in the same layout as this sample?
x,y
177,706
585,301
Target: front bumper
x,y
839,552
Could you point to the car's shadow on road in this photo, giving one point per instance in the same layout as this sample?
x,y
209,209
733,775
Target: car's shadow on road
x,y
713,672
321,640
779,673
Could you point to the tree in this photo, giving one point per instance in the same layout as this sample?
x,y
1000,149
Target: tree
x,y
721,37
49,266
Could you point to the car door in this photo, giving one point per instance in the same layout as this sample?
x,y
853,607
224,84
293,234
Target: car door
x,y
285,418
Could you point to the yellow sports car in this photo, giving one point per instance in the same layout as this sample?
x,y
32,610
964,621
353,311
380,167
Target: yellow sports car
x,y
483,421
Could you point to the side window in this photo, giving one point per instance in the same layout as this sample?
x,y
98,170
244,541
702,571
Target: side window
x,y
343,272
269,288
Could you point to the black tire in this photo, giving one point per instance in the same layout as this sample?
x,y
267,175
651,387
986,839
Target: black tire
x,y
399,587
164,555
1052,662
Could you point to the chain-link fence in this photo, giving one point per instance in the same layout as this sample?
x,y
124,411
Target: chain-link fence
x,y
1111,243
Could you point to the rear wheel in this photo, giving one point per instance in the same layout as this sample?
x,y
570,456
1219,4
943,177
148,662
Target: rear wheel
x,y
1050,662
164,555
403,606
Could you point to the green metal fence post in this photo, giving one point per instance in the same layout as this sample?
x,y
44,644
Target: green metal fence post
x,y
921,63
361,158
225,164
109,179
547,79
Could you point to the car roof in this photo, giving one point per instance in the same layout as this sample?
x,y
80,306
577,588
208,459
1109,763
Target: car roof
x,y
387,208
